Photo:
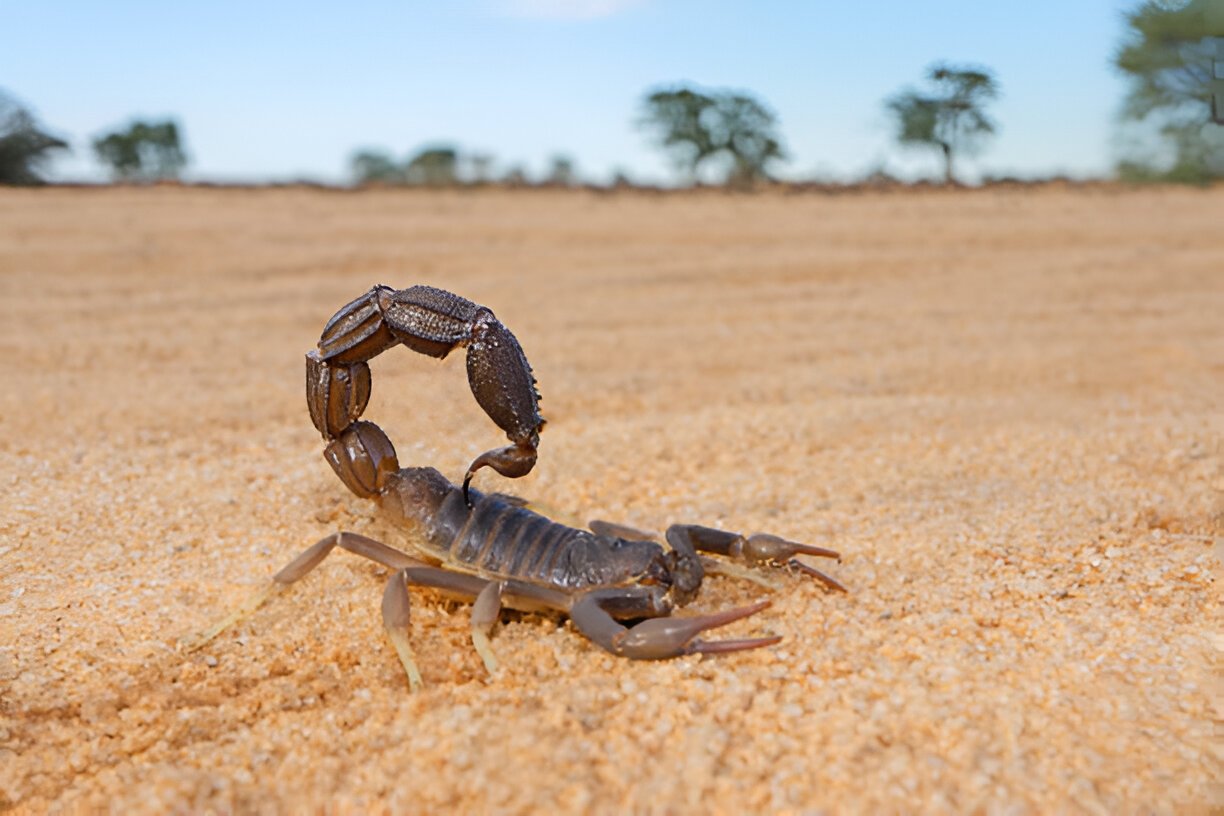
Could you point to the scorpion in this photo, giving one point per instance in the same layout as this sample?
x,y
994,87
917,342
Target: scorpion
x,y
618,585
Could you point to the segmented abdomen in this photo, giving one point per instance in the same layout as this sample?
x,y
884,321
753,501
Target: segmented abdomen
x,y
500,539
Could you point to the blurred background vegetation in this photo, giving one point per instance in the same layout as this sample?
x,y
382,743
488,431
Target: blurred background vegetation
x,y
25,146
1169,58
142,151
1168,125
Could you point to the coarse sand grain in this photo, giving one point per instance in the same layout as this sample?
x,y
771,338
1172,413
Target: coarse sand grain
x,y
1003,406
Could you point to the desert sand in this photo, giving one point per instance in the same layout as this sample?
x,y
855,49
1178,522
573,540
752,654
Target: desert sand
x,y
1002,406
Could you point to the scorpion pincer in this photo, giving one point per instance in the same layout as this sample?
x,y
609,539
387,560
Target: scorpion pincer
x,y
491,549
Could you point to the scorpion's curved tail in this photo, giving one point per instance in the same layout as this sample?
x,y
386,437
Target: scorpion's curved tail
x,y
433,322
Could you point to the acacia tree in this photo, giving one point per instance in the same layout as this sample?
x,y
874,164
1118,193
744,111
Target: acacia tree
x,y
694,126
434,167
375,167
479,167
1167,56
561,171
144,151
23,145
951,116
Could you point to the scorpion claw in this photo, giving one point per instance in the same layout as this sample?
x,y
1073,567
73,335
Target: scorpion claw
x,y
764,548
758,550
660,638
827,580
734,645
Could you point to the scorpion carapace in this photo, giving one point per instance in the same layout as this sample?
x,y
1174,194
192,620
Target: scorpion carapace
x,y
493,550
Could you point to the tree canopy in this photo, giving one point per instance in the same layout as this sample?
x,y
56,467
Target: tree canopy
x,y
951,115
144,151
695,126
561,171
436,166
375,167
1167,59
23,144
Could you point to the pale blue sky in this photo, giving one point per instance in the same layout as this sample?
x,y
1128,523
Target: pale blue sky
x,y
282,90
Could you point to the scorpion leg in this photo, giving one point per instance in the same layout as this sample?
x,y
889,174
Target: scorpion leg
x,y
484,614
396,614
656,638
298,568
756,550
395,608
623,531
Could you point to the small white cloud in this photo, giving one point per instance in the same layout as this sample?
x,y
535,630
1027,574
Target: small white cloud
x,y
565,9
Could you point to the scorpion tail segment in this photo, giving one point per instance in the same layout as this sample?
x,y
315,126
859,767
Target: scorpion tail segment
x,y
336,393
358,332
428,320
362,456
511,461
425,319
396,619
501,380
434,322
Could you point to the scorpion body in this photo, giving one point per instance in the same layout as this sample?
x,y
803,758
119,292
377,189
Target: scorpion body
x,y
499,538
492,549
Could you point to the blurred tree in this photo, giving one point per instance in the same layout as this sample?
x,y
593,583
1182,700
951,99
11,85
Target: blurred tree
x,y
1167,57
951,117
516,176
480,166
434,167
145,151
561,172
621,179
375,167
695,125
23,146
747,129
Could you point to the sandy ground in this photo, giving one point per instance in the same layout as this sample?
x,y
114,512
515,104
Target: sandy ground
x,y
1003,407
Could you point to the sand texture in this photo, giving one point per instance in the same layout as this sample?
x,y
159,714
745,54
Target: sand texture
x,y
1002,406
